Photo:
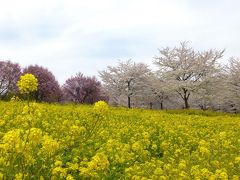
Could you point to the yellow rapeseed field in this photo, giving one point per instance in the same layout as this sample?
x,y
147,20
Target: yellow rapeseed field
x,y
47,141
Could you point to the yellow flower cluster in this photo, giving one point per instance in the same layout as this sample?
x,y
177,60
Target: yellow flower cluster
x,y
43,141
15,99
98,164
27,83
101,107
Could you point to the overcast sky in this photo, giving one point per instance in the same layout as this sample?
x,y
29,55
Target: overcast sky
x,y
70,36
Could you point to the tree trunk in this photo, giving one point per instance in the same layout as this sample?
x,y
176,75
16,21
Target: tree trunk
x,y
161,105
186,103
129,99
151,105
129,102
186,97
34,96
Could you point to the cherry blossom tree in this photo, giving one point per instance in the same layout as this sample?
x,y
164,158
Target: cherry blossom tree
x,y
48,87
83,89
155,92
185,69
127,79
230,86
9,75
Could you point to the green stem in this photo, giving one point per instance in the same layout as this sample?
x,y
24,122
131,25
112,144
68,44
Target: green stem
x,y
28,98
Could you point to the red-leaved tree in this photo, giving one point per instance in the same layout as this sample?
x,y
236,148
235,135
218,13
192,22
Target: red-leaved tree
x,y
48,87
83,89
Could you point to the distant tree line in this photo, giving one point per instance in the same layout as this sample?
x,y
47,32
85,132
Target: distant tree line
x,y
184,78
77,89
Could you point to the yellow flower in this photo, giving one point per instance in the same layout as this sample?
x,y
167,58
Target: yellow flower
x,y
69,177
15,99
2,122
1,176
27,83
235,177
49,145
204,151
154,147
58,163
98,163
206,173
136,146
101,161
12,140
182,165
56,141
35,136
237,160
195,170
101,107
19,176
221,173
62,172
145,135
158,171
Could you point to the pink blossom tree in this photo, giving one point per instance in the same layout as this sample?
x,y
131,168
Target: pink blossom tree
x,y
83,89
9,75
48,87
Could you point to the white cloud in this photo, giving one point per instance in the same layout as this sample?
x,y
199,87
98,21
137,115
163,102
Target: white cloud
x,y
68,36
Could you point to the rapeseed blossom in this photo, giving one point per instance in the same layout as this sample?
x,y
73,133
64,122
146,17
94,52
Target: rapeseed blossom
x,y
99,163
49,145
86,142
15,99
101,107
2,122
27,83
